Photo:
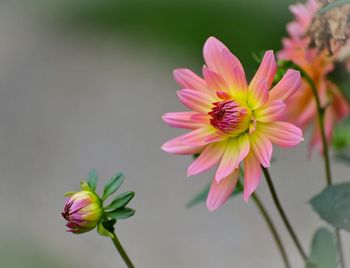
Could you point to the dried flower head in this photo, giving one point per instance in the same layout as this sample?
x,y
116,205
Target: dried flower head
x,y
330,29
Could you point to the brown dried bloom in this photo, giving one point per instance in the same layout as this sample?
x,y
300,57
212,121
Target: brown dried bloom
x,y
331,28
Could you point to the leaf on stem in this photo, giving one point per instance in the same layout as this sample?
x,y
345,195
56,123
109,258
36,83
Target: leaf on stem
x,y
121,200
333,205
112,185
120,213
323,250
92,179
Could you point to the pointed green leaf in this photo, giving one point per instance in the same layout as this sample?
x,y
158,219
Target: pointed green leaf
x,y
201,197
92,179
121,200
333,205
323,250
121,213
112,185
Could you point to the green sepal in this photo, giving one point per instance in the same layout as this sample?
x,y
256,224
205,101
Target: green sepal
x,y
333,205
323,250
85,186
92,179
121,200
112,185
106,228
120,213
69,194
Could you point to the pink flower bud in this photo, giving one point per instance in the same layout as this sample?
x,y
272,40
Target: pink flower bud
x,y
83,211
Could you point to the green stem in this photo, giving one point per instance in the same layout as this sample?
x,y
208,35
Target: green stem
x,y
121,251
327,164
283,214
272,228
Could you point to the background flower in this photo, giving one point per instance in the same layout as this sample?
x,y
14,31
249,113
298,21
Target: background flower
x,y
301,107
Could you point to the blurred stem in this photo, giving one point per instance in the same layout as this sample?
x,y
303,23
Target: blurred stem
x,y
121,251
273,229
321,113
283,214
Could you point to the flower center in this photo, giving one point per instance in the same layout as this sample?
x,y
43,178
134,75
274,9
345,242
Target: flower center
x,y
230,117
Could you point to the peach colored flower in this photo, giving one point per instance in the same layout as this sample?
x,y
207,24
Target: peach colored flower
x,y
301,107
231,122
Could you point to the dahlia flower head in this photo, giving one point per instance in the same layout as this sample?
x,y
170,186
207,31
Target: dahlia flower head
x,y
301,107
230,121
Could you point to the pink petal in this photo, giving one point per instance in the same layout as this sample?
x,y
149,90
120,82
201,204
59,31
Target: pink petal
x,y
201,118
267,70
262,147
214,80
252,175
219,59
282,133
175,146
234,72
289,83
209,157
213,56
295,30
188,79
270,111
223,95
182,120
236,150
220,191
316,140
201,136
329,122
259,94
196,100
339,102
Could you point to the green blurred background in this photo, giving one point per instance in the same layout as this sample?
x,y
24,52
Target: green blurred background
x,y
83,84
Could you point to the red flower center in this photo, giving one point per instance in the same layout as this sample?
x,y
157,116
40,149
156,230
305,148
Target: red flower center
x,y
230,117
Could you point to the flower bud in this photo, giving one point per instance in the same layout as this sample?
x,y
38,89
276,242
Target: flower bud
x,y
83,211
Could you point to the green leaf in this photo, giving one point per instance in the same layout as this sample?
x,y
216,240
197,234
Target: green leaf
x,y
333,5
112,185
102,230
121,213
323,250
109,225
333,205
202,195
121,200
92,179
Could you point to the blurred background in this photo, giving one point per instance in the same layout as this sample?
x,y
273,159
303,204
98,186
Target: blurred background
x,y
83,84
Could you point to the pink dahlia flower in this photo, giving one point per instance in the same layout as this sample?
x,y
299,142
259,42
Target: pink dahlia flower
x,y
301,107
83,211
231,122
